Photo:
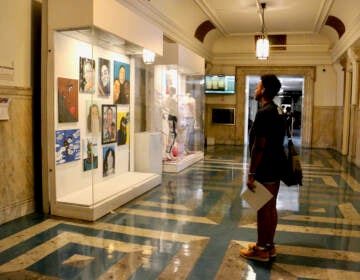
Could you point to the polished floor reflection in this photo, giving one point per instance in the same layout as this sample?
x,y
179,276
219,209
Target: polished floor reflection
x,y
193,226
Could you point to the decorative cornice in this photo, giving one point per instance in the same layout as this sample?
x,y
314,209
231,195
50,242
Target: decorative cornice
x,y
322,15
167,25
353,56
290,59
205,7
347,40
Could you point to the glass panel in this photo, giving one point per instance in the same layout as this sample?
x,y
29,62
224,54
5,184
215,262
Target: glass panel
x,y
182,108
92,114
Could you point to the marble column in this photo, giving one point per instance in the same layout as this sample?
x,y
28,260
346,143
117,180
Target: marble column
x,y
354,60
347,109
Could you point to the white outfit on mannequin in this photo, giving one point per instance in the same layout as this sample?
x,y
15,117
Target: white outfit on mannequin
x,y
189,121
170,109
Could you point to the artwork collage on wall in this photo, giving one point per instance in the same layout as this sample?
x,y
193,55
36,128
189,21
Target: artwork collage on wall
x,y
106,116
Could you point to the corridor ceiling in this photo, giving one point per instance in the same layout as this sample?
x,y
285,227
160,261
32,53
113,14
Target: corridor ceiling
x,y
241,17
232,18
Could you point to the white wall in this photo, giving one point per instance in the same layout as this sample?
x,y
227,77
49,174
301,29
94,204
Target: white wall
x,y
326,87
15,48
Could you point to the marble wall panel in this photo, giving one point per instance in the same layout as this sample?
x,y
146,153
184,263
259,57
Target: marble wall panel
x,y
356,143
326,123
222,134
16,156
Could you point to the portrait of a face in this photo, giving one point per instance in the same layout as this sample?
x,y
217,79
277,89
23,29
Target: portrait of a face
x,y
108,124
90,153
122,74
104,77
121,82
93,117
108,160
87,75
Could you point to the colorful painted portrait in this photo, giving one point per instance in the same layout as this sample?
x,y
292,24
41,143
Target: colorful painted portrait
x,y
67,147
108,160
90,153
108,124
104,77
121,83
87,75
68,100
93,119
122,135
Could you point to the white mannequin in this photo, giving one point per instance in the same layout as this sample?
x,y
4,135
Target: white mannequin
x,y
170,110
189,121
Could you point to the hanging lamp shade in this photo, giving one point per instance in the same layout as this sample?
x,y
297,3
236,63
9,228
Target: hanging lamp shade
x,y
262,48
148,56
262,43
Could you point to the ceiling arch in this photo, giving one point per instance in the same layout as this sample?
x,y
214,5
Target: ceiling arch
x,y
203,29
337,24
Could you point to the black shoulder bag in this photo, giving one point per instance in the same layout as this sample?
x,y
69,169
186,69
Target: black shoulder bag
x,y
291,170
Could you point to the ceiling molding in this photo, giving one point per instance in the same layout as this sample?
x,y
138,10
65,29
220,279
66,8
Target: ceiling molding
x,y
322,15
167,25
350,37
281,58
203,5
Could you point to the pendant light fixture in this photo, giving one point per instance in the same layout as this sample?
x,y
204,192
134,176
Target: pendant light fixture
x,y
262,43
148,56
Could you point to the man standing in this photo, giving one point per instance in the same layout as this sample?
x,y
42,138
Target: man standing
x,y
266,142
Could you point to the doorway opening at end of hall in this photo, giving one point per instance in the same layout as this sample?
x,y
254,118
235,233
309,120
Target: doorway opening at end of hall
x,y
290,96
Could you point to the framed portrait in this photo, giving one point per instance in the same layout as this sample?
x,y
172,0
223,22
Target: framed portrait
x,y
68,100
86,75
104,77
122,132
108,134
121,83
93,119
67,145
90,153
108,160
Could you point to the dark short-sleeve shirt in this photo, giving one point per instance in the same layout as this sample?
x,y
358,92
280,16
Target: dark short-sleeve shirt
x,y
270,124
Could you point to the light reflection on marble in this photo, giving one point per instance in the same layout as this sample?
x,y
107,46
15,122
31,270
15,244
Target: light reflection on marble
x,y
193,226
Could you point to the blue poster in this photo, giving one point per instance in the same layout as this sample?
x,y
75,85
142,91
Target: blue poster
x,y
67,147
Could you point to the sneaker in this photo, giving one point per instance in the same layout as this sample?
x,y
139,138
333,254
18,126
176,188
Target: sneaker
x,y
271,250
253,253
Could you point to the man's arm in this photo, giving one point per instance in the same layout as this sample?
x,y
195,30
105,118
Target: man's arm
x,y
257,152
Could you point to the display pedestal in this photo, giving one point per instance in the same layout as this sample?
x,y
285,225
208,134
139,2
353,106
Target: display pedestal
x,y
96,201
148,152
181,164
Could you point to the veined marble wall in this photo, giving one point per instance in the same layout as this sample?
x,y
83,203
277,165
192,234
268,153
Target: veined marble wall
x,y
222,133
327,123
355,134
16,156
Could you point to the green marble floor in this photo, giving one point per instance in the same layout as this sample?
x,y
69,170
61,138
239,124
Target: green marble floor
x,y
193,225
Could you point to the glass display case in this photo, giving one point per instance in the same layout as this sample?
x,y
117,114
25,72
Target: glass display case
x,y
89,111
181,98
